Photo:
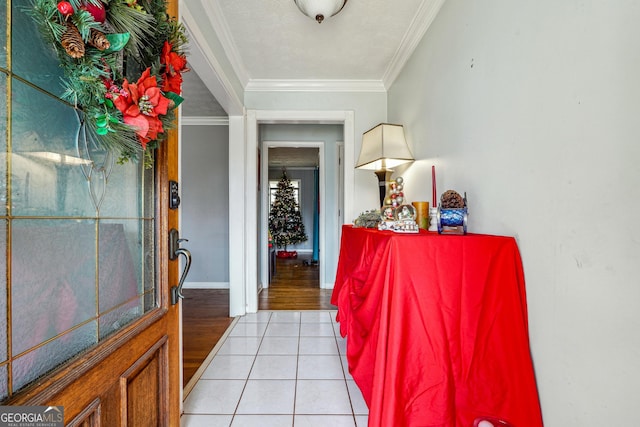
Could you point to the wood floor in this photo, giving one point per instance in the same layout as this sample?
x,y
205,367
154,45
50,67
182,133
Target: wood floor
x,y
205,317
205,312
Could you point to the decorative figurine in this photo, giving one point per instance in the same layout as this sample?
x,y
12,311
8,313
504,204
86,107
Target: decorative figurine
x,y
401,219
395,193
451,216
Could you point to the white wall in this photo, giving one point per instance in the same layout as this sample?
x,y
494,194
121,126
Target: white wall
x,y
370,108
532,109
205,204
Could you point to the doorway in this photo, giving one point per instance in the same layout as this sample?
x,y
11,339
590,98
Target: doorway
x,y
243,290
303,163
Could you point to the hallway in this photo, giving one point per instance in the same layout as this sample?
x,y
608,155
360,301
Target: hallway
x,y
278,368
205,311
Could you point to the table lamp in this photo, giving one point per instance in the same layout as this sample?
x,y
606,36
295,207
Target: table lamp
x,y
383,148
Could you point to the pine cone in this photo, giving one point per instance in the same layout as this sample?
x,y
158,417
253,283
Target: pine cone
x,y
98,40
71,41
450,199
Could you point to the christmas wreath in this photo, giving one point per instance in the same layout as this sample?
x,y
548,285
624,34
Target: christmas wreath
x,y
122,62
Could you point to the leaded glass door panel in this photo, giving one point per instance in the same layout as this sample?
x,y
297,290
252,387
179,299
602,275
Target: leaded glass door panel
x,y
85,319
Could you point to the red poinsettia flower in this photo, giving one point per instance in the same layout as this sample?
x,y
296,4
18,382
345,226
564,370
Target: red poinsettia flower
x,y
141,106
175,65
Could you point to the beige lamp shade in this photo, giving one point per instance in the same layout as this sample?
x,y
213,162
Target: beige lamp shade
x,y
384,147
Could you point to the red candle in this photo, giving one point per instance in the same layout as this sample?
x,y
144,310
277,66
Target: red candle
x,y
434,203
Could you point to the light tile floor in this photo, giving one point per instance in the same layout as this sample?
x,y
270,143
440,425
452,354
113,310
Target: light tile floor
x,y
278,369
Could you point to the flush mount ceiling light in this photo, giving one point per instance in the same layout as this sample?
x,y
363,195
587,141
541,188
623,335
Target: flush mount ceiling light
x,y
320,9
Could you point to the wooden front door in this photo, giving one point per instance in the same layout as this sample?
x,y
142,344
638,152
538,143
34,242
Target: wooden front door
x,y
87,259
134,377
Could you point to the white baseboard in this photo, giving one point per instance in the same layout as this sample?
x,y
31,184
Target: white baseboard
x,y
206,285
328,286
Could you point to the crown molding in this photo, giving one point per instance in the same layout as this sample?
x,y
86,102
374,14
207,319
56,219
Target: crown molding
x,y
421,22
221,28
205,63
204,121
303,85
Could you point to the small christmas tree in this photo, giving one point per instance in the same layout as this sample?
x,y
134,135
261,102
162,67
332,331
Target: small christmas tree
x,y
285,221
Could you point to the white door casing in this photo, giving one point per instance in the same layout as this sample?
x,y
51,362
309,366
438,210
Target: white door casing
x,y
243,237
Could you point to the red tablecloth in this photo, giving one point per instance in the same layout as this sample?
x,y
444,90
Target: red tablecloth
x,y
436,328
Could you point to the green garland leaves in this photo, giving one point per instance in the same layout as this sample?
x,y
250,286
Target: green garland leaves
x,y
139,24
128,91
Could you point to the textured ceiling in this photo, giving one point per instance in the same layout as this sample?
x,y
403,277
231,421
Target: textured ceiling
x,y
276,41
290,157
200,102
272,42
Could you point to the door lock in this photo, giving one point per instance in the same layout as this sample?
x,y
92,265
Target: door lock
x,y
174,196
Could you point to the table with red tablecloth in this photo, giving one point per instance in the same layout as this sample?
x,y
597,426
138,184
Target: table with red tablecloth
x,y
436,328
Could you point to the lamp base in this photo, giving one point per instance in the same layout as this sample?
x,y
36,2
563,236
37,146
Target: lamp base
x,y
384,176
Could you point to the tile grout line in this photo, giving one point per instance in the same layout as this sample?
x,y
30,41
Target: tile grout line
x,y
209,359
295,389
299,322
255,356
344,375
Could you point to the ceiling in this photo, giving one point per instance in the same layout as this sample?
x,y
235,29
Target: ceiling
x,y
290,157
200,102
276,41
271,43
